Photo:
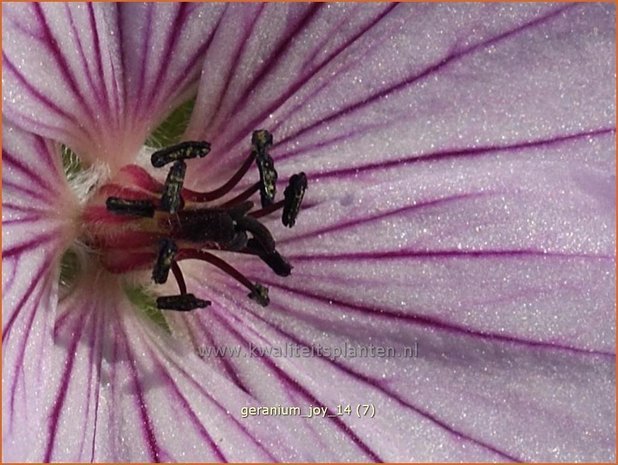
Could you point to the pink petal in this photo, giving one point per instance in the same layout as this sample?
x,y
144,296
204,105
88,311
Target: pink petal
x,y
209,426
33,235
463,399
72,405
99,77
462,197
545,260
389,88
121,390
481,287
264,384
495,253
472,90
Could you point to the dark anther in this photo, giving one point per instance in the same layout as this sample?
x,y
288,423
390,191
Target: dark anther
x,y
293,195
167,251
171,201
261,141
181,303
182,151
274,259
120,206
260,295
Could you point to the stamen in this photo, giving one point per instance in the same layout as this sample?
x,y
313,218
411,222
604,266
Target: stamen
x,y
171,201
267,210
182,151
257,290
261,141
243,195
143,208
260,295
180,279
277,263
231,226
167,251
181,303
293,195
225,188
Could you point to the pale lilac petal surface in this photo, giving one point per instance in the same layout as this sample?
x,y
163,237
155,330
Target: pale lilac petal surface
x,y
461,197
461,200
402,81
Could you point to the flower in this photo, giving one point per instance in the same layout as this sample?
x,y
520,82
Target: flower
x,y
461,202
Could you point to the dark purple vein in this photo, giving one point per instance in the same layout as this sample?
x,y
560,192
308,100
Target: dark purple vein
x,y
173,34
63,389
227,366
445,254
144,40
185,78
98,60
388,392
301,81
301,389
224,410
7,329
146,424
184,404
101,326
61,60
237,55
6,62
36,178
272,61
432,322
432,69
448,154
39,275
84,61
30,244
383,215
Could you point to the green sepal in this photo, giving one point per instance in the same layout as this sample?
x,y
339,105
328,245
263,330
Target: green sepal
x,y
71,163
69,269
171,130
147,304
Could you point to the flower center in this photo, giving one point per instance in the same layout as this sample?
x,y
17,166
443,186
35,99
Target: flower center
x,y
137,222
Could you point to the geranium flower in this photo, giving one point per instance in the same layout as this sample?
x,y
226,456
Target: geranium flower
x,y
461,203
